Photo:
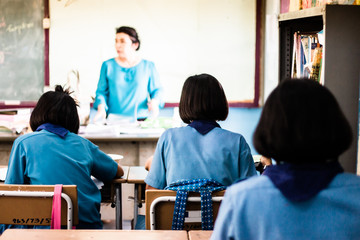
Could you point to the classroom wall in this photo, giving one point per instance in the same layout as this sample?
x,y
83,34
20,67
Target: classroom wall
x,y
271,46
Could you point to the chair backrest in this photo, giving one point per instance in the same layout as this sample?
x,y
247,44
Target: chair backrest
x,y
32,204
160,209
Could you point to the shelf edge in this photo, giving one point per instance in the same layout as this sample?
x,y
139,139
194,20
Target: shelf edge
x,y
309,12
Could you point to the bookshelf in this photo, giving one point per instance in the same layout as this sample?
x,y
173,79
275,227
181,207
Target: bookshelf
x,y
341,58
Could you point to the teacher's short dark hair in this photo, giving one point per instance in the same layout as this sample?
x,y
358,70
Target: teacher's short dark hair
x,y
302,122
203,98
56,107
132,34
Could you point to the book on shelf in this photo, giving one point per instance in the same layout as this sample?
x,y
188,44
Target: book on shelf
x,y
284,6
307,4
315,70
296,5
307,56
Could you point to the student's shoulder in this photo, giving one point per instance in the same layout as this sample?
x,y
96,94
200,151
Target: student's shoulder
x,y
228,133
345,180
27,137
75,137
178,131
251,185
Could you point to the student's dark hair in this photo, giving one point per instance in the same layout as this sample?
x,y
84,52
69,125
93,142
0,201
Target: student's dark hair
x,y
302,122
203,98
132,34
56,107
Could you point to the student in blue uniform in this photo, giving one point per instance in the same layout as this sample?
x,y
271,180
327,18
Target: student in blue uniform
x,y
55,154
202,149
127,82
306,195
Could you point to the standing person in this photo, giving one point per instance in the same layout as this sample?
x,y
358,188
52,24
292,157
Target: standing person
x,y
129,85
201,149
306,195
55,154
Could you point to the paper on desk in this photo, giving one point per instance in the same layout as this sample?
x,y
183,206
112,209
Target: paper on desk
x,y
99,129
141,131
3,172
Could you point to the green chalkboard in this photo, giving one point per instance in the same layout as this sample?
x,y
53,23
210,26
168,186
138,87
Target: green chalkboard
x,y
21,50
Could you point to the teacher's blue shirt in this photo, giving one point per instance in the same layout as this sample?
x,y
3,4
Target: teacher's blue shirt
x,y
122,90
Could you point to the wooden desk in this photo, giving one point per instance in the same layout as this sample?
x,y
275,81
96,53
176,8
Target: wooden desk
x,y
199,235
137,175
37,234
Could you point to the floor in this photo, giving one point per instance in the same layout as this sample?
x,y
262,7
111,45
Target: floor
x,y
110,224
108,217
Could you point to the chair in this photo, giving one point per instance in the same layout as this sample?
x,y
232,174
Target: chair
x,y
32,204
160,209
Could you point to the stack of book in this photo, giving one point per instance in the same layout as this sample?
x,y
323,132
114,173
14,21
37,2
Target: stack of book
x,y
14,120
296,5
307,56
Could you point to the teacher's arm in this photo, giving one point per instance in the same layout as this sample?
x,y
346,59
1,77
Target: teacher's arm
x,y
155,90
102,94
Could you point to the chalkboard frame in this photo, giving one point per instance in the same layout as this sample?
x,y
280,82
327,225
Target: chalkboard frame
x,y
30,104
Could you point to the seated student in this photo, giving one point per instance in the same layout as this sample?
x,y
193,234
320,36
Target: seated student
x,y
55,154
201,149
306,195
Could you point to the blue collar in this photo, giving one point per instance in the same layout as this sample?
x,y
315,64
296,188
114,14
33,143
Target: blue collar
x,y
301,182
56,129
204,126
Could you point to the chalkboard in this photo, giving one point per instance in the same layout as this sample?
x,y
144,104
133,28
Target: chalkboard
x,y
21,50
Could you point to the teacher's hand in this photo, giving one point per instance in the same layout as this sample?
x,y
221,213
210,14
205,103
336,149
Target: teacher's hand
x,y
153,106
100,114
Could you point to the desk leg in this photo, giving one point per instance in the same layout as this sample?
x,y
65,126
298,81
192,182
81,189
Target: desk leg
x,y
135,203
118,207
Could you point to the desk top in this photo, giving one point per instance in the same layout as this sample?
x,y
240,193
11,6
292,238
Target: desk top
x,y
199,235
40,234
124,178
137,174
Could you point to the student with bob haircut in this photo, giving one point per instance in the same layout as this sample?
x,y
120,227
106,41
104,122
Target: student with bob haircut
x,y
202,149
306,195
54,154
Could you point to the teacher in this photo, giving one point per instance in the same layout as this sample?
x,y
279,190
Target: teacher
x,y
129,86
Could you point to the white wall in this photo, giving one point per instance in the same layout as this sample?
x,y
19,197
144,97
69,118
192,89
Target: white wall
x,y
182,37
271,52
